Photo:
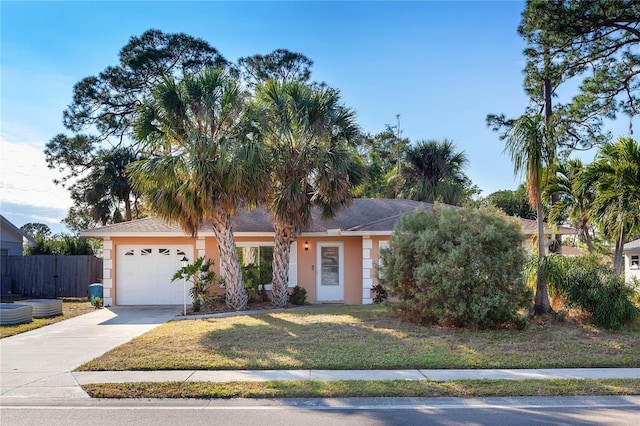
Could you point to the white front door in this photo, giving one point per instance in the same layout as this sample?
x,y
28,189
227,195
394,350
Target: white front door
x,y
330,272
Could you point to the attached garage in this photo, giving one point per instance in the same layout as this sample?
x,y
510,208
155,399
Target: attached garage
x,y
144,273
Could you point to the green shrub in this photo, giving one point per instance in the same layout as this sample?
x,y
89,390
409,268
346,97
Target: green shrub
x,y
255,278
197,304
380,292
97,302
199,273
298,296
583,282
457,266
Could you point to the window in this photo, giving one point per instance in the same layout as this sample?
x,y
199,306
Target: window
x,y
129,253
146,252
257,257
635,261
164,251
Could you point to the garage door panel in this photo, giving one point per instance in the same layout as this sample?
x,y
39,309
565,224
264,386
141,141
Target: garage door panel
x,y
144,274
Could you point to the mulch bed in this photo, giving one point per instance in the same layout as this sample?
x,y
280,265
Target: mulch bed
x,y
218,305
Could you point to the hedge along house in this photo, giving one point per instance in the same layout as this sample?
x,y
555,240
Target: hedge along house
x,y
334,260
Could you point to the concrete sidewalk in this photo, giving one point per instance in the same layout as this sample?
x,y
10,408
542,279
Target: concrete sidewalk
x,y
86,377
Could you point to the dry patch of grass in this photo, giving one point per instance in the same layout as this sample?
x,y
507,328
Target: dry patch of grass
x,y
71,307
364,337
378,388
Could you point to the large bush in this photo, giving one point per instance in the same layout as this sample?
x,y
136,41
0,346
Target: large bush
x,y
457,266
583,282
62,245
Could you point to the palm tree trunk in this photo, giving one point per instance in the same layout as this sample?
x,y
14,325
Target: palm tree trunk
x,y
281,253
235,294
617,256
542,304
588,240
127,209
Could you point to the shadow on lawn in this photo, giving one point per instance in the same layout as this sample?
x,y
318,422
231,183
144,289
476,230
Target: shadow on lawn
x,y
340,341
374,339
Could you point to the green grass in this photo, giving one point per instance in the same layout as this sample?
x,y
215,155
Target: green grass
x,y
70,308
364,337
378,388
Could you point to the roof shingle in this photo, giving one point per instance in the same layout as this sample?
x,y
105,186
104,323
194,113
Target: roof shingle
x,y
364,215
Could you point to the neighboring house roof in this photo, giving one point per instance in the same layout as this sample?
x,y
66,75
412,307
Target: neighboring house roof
x,y
530,227
570,251
632,245
6,225
365,216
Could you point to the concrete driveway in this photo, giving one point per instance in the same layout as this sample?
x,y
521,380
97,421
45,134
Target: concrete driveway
x,y
38,364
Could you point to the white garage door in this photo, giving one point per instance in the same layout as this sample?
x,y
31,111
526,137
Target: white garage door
x,y
144,274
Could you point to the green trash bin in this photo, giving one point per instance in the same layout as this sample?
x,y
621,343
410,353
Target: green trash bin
x,y
95,290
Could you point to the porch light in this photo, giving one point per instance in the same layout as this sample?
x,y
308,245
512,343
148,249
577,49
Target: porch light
x,y
184,262
306,246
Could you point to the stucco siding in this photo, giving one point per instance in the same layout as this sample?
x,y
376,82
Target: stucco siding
x,y
307,267
353,270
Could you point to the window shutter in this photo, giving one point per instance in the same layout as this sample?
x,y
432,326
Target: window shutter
x,y
293,265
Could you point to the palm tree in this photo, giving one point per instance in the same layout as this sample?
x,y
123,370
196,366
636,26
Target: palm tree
x,y
532,152
616,169
206,163
432,171
575,197
308,132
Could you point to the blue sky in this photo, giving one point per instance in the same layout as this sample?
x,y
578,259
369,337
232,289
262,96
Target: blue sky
x,y
443,66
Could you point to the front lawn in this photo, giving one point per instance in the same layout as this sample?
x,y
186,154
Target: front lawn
x,y
71,307
364,337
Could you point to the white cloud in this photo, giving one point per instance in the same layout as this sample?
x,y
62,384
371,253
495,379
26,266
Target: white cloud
x,y
26,180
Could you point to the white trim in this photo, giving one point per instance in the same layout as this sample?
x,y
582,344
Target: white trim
x,y
366,233
367,245
255,243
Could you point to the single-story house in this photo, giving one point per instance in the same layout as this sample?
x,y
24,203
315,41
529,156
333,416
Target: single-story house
x,y
631,252
12,239
332,259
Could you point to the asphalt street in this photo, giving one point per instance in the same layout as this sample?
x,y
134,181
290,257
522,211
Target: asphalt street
x,y
605,410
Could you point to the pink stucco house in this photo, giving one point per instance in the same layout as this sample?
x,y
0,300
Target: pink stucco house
x,y
333,260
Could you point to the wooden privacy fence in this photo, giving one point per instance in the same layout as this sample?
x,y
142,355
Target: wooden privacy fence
x,y
51,276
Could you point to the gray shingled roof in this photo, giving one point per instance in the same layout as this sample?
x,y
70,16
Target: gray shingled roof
x,y
632,245
365,215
